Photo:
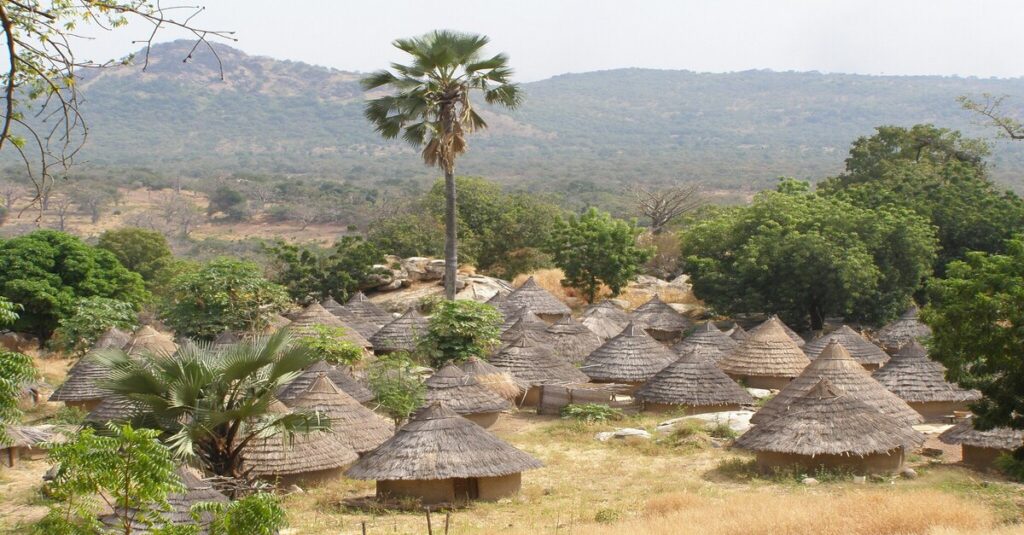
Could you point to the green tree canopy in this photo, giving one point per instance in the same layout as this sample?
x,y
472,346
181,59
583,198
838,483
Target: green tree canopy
x,y
232,204
143,251
91,318
47,272
312,274
459,330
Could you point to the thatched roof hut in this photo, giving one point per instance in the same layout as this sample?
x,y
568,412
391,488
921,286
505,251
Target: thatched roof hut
x,y
304,325
339,375
499,381
768,358
981,448
401,334
81,386
572,341
538,300
828,427
226,339
148,340
632,357
275,323
605,319
867,354
366,311
921,382
706,340
356,426
465,395
440,456
695,383
196,491
901,331
366,330
112,338
796,338
113,408
524,321
501,303
29,442
660,320
738,333
532,362
837,365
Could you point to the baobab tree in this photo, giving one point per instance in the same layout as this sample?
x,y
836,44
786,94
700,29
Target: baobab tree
x,y
661,206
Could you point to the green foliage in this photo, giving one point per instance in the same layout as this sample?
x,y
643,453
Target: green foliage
x,y
256,514
327,343
459,330
8,312
807,257
47,272
222,295
396,386
977,320
722,430
1011,464
595,249
92,316
143,251
590,412
69,416
408,234
228,202
16,369
312,274
607,516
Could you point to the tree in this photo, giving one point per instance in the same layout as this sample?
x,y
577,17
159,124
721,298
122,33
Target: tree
x,y
210,403
596,249
62,205
182,212
256,514
807,257
414,233
222,295
312,274
92,317
46,272
330,345
228,202
989,108
396,386
663,206
145,252
431,108
16,369
93,198
459,330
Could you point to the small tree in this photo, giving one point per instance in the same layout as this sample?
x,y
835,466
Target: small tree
x,y
91,318
256,514
663,206
459,330
143,251
15,370
328,344
397,388
312,274
595,249
228,202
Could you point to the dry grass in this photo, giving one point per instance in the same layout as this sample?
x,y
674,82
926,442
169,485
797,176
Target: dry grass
x,y
550,280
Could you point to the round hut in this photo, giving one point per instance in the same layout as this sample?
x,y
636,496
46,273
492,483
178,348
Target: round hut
x,y
538,300
500,302
605,319
465,395
632,358
275,323
366,311
738,333
660,320
401,334
364,329
226,339
195,491
768,358
148,340
28,442
867,354
706,340
497,380
796,338
692,383
837,365
112,338
525,321
339,375
113,408
305,324
572,341
441,457
921,382
356,426
80,387
532,363
901,331
828,428
981,448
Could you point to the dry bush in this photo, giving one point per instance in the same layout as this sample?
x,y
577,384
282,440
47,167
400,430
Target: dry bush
x,y
667,256
549,279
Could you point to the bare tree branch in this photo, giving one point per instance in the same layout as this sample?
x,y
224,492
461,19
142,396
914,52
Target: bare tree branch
x,y
989,108
664,205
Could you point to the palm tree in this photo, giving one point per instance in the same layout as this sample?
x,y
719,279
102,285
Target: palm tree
x,y
210,403
429,105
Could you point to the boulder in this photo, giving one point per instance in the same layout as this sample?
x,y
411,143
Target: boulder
x,y
627,433
435,270
809,481
415,268
761,393
908,473
681,282
738,421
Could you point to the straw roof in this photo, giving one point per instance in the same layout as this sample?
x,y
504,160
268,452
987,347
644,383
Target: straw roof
x,y
31,436
526,322
112,338
533,363
148,339
180,512
631,357
462,393
693,380
437,443
81,381
402,333
537,299
572,341
499,381
113,408
999,438
302,453
898,333
500,302
796,338
339,375
828,421
657,315
837,365
706,340
859,347
226,338
314,314
605,319
738,333
911,375
367,312
358,428
277,322
366,330
767,352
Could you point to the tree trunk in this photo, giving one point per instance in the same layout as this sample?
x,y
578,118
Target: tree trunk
x,y
451,253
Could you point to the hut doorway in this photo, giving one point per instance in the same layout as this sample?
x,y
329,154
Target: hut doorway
x,y
466,488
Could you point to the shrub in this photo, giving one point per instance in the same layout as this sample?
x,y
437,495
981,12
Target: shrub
x,y
398,389
69,416
1009,464
327,342
591,412
459,330
607,516
140,250
91,318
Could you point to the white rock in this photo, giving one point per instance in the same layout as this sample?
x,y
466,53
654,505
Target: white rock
x,y
738,421
760,393
647,281
435,270
908,473
625,433
415,267
809,481
860,480
682,282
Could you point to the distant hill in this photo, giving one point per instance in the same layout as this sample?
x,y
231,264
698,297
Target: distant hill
x,y
736,130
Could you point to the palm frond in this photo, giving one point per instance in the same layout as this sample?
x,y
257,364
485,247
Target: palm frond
x,y
507,95
377,79
496,62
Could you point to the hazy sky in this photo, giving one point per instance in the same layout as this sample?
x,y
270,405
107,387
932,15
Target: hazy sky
x,y
549,37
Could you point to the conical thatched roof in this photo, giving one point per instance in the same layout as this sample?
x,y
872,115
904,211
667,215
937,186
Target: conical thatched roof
x,y
180,513
656,315
276,323
462,393
402,333
303,453
314,314
148,339
437,443
526,322
226,338
707,340
113,408
999,438
695,381
112,338
499,381
367,312
796,338
358,427
836,365
537,299
572,341
631,357
827,421
366,330
767,352
81,381
738,333
532,362
911,375
527,318
860,348
339,375
898,333
605,319
501,303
